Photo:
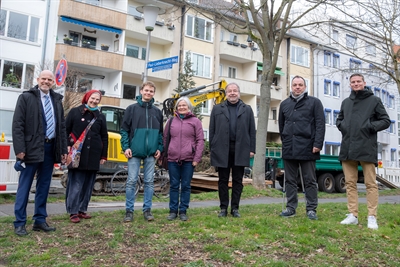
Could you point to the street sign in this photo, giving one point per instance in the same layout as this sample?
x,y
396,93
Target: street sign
x,y
162,67
162,62
61,72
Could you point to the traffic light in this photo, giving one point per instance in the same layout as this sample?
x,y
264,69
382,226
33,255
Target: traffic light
x,y
380,164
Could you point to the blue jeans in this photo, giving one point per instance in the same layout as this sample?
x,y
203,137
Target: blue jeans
x,y
43,179
133,172
180,175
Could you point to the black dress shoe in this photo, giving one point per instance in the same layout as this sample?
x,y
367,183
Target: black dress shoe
x,y
43,227
20,230
223,213
235,213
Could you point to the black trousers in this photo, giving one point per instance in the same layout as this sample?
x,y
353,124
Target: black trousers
x,y
292,178
237,183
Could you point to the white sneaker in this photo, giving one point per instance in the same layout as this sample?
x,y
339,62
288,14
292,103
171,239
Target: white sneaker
x,y
351,219
372,224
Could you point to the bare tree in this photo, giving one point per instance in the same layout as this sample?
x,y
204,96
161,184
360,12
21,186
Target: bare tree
x,y
375,27
266,23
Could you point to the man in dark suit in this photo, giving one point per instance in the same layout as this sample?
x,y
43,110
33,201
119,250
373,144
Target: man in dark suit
x,y
39,139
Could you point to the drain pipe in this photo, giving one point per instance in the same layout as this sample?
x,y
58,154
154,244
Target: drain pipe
x,y
46,28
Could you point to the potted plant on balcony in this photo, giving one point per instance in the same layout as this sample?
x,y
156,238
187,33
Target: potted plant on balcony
x,y
85,44
67,40
104,47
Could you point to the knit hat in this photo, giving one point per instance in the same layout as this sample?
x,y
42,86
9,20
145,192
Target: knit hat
x,y
88,94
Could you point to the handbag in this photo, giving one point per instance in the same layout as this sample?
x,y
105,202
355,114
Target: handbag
x,y
74,155
164,155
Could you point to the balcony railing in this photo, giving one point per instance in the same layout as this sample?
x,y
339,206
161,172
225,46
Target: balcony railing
x,y
92,56
241,52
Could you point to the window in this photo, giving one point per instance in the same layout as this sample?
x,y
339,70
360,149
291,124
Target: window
x,y
327,87
221,69
233,37
201,65
20,26
6,121
370,49
274,114
328,116
392,127
336,89
204,108
16,74
391,101
299,55
89,42
130,91
135,51
335,115
3,18
377,92
393,154
332,148
335,36
351,42
205,132
327,59
336,61
232,72
199,28
355,64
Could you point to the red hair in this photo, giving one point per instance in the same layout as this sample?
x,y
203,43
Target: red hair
x,y
88,94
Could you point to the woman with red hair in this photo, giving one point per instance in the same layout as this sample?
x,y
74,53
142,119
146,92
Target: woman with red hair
x,y
94,152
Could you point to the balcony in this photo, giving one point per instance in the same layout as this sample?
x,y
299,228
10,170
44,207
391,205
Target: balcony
x,y
89,57
253,88
239,53
135,67
273,126
160,35
384,137
92,13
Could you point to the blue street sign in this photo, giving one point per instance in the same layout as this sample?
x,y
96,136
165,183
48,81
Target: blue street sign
x,y
161,62
162,67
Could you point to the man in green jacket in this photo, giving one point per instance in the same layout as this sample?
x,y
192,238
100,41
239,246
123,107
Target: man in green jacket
x,y
141,139
361,116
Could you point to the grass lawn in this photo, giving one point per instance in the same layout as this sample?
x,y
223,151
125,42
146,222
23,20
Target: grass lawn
x,y
259,238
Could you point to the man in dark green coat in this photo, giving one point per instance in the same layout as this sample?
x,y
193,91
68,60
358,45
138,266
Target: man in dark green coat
x,y
361,116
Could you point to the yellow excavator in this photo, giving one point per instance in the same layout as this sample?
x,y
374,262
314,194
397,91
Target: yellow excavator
x,y
116,160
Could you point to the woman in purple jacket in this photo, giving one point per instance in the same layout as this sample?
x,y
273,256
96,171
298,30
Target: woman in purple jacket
x,y
184,153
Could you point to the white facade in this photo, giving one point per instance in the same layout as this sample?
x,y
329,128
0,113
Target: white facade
x,y
22,34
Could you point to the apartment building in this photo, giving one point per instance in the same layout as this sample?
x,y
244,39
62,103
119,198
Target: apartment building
x,y
106,41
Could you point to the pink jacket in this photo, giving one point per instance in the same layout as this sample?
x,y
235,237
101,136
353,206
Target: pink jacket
x,y
187,138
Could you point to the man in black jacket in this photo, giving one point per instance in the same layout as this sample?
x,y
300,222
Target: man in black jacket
x,y
302,130
361,116
39,139
232,135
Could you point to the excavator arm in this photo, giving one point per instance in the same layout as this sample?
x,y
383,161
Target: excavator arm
x,y
196,96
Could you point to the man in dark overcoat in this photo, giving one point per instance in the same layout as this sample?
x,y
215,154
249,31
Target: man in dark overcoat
x,y
362,115
232,136
302,130
39,139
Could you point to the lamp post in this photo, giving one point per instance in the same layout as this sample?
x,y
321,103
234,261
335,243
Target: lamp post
x,y
150,13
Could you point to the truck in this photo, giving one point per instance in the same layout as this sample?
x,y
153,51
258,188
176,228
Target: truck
x,y
329,172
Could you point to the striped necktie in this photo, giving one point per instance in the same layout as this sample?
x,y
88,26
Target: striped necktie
x,y
49,117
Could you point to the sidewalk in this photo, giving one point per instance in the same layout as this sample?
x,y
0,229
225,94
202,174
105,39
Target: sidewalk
x,y
59,208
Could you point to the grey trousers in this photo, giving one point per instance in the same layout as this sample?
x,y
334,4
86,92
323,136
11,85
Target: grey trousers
x,y
292,179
